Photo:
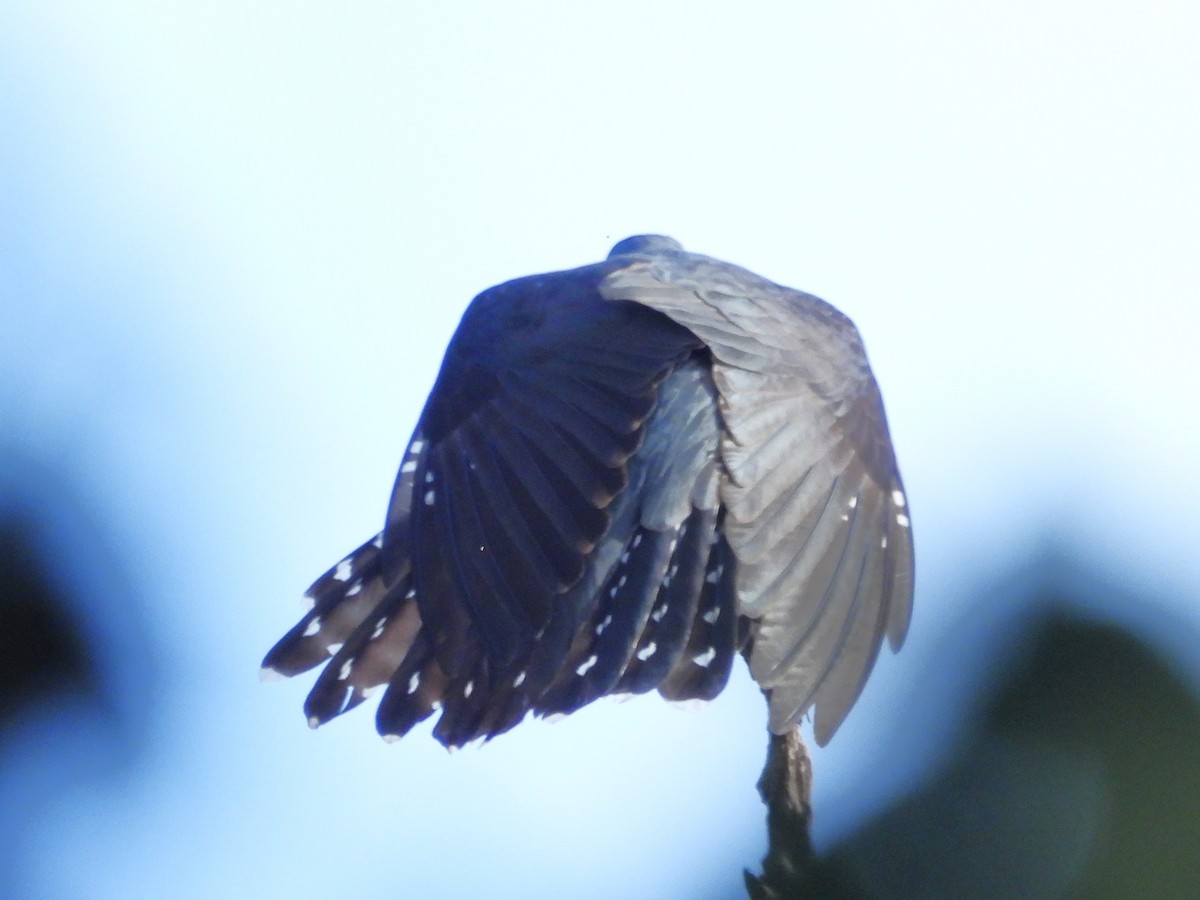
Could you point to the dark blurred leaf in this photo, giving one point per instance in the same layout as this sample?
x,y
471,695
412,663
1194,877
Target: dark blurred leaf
x,y
1078,779
42,652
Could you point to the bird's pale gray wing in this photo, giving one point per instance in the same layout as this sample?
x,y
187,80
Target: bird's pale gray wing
x,y
541,400
815,512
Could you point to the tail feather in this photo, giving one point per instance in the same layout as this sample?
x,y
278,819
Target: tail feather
x,y
414,691
369,657
669,624
703,668
342,599
600,657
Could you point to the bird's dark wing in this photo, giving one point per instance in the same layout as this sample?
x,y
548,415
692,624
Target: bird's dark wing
x,y
522,448
814,511
563,469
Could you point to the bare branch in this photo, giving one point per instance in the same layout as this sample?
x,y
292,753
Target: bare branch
x,y
786,789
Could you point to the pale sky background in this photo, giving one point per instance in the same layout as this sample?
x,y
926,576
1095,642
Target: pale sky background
x,y
235,238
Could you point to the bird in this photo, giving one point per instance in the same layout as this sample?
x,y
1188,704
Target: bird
x,y
625,475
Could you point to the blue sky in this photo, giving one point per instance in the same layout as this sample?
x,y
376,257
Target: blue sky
x,y
234,239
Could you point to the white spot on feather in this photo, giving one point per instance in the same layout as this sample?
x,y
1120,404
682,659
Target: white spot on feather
x,y
391,738
429,477
519,680
715,575
354,588
853,502
429,495
604,623
332,649
417,447
368,691
378,542
409,466
414,682
312,627
703,659
883,542
345,670
902,520
468,688
898,498
648,651
659,612
344,570
637,539
379,626
583,667
712,615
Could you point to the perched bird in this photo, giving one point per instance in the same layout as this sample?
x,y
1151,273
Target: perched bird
x,y
625,474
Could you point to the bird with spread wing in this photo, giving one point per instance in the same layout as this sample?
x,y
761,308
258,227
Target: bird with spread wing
x,y
625,475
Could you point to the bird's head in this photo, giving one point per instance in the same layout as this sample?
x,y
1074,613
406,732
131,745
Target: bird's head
x,y
645,243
